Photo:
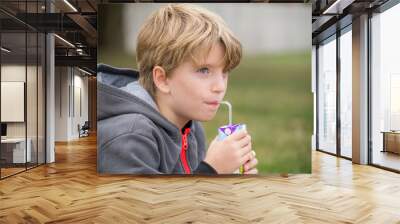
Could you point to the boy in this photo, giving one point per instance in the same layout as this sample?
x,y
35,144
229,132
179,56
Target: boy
x,y
148,122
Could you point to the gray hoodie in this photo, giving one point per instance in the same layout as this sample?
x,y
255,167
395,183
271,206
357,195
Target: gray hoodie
x,y
134,138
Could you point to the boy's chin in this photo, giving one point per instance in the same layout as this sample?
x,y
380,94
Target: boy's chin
x,y
205,118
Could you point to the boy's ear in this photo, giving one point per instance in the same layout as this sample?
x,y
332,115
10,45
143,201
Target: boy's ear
x,y
160,79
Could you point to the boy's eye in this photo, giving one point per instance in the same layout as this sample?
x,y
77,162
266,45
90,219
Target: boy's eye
x,y
204,70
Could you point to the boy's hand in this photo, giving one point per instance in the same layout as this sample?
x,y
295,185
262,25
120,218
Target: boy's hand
x,y
228,155
250,166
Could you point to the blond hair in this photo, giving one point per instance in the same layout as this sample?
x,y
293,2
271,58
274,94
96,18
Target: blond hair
x,y
178,32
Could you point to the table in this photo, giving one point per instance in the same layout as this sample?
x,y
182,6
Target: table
x,y
13,150
391,141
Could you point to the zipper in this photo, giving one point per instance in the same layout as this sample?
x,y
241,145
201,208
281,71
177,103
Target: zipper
x,y
184,148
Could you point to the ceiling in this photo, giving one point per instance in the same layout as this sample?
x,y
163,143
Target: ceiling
x,y
72,20
331,15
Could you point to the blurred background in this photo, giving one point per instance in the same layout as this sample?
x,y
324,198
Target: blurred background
x,y
270,90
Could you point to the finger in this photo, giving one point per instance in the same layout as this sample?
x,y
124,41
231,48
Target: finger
x,y
252,171
252,155
250,164
245,153
245,141
238,135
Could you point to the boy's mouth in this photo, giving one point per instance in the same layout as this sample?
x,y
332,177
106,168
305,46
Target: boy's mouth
x,y
214,103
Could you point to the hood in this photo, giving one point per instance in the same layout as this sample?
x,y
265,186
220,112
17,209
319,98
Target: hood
x,y
119,92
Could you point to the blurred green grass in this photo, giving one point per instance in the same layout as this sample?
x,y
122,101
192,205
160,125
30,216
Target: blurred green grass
x,y
271,94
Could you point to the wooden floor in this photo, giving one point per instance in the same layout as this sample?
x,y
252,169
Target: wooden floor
x,y
10,171
70,191
387,159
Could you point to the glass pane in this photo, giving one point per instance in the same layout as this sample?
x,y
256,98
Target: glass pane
x,y
346,94
313,80
23,85
41,98
31,87
386,89
31,97
13,87
327,97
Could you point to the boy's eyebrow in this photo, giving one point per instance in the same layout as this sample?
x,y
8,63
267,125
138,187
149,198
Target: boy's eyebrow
x,y
210,65
204,65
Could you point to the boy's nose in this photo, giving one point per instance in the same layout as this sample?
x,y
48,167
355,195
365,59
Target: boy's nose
x,y
219,84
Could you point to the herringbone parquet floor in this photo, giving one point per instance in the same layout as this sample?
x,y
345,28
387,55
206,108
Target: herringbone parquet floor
x,y
70,191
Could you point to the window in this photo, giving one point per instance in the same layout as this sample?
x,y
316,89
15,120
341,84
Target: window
x,y
346,93
385,88
327,96
22,76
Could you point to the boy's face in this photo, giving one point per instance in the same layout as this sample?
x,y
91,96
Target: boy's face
x,y
196,91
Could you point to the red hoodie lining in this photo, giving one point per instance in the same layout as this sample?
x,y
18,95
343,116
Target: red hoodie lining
x,y
184,148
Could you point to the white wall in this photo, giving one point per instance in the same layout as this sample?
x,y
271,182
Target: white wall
x,y
79,117
12,73
70,83
61,103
